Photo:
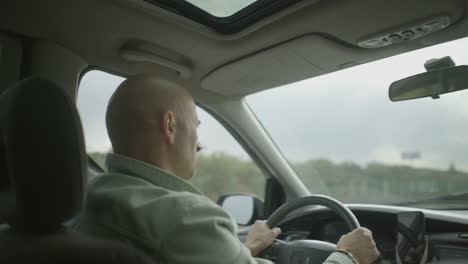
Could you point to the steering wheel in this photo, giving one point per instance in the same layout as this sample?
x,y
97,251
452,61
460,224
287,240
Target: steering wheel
x,y
306,251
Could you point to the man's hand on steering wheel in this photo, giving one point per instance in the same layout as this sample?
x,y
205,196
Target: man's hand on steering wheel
x,y
360,244
261,237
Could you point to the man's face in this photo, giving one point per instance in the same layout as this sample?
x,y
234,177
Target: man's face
x,y
187,137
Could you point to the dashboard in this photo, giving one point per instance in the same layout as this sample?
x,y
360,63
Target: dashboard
x,y
447,232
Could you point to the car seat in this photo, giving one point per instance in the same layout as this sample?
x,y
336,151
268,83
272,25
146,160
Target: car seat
x,y
43,165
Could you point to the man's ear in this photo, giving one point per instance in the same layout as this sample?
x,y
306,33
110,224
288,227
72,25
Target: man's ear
x,y
169,126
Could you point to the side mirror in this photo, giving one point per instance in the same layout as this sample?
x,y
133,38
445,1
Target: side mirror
x,y
245,208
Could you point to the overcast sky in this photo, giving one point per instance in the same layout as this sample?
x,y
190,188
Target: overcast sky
x,y
343,116
221,8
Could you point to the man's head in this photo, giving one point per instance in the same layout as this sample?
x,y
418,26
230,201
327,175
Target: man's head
x,y
154,121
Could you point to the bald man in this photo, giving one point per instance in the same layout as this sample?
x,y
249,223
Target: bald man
x,y
146,200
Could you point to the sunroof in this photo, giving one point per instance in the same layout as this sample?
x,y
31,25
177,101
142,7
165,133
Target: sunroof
x,y
224,16
221,8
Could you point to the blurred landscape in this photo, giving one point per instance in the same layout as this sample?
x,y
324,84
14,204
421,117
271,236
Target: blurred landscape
x,y
220,173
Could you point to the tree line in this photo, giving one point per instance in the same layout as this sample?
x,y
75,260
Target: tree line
x,y
220,173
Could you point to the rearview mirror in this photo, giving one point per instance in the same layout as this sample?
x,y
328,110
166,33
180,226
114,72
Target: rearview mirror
x,y
431,83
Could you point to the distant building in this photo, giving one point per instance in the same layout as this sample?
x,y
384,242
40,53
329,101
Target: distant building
x,y
452,168
410,155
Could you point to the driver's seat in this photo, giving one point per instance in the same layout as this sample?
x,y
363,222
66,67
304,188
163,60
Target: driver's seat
x,y
42,169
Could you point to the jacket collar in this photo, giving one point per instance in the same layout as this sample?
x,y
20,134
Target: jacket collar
x,y
124,165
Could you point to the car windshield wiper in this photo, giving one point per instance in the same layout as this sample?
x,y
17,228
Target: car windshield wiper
x,y
453,201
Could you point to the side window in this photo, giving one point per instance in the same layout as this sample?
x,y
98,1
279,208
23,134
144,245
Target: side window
x,y
95,90
223,165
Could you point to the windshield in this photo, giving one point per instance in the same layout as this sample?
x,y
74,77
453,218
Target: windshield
x,y
345,138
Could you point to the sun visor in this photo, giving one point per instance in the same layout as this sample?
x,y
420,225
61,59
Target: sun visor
x,y
292,61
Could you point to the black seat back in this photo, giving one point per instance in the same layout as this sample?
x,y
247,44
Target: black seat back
x,y
42,173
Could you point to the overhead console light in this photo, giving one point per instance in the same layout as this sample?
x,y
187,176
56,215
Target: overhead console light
x,y
407,33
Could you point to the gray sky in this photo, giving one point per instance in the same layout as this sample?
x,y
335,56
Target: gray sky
x,y
347,116
343,116
221,8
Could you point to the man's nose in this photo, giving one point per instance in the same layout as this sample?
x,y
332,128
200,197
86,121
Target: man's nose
x,y
199,147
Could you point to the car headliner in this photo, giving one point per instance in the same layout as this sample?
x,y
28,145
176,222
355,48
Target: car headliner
x,y
322,35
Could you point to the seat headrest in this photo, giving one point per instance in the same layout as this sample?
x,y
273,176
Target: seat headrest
x,y
42,156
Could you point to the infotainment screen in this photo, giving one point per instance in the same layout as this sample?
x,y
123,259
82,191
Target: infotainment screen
x,y
411,238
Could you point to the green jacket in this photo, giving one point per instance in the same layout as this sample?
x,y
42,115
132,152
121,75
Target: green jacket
x,y
163,215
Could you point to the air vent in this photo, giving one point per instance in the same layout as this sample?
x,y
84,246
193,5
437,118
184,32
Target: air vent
x,y
406,34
